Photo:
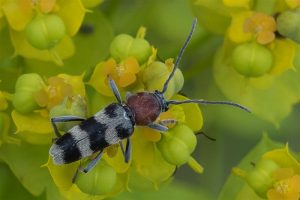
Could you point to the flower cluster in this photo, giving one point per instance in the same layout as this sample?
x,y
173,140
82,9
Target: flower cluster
x,y
155,156
42,29
134,67
257,58
275,176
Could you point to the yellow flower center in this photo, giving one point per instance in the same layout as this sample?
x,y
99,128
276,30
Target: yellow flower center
x,y
287,188
56,91
120,69
282,187
262,26
124,73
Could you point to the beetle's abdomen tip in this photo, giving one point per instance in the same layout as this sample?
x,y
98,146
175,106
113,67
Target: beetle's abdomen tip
x,y
57,155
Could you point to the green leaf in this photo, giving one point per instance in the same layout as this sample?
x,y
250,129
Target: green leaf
x,y
10,187
25,162
235,187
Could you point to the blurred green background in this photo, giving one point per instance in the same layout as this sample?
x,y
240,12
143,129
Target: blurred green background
x,y
236,132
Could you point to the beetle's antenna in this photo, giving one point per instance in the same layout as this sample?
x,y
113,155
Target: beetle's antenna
x,y
201,101
114,89
205,135
180,55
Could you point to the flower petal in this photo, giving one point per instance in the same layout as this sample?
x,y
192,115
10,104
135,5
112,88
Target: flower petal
x,y
150,134
148,160
126,79
34,128
131,65
46,6
265,37
236,32
18,13
62,174
284,54
67,10
284,158
117,161
193,115
76,82
237,3
62,50
98,80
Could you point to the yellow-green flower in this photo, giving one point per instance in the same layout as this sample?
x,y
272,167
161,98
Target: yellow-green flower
x,y
246,25
59,87
51,16
252,79
287,186
276,175
35,127
124,74
262,26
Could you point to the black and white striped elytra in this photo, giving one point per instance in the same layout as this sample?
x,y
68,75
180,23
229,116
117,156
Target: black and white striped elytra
x,y
109,126
116,122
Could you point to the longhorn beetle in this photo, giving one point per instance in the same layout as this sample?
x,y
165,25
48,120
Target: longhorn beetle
x,y
116,122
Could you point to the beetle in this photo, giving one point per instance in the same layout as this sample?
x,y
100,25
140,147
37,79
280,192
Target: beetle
x,y
116,122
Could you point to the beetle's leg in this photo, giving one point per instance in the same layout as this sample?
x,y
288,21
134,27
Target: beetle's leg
x,y
89,166
75,175
166,122
122,148
158,127
126,152
70,118
93,162
115,89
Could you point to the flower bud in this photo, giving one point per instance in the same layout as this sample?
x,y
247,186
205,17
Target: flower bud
x,y
26,86
99,181
177,145
75,106
124,46
288,24
156,74
45,31
252,59
261,178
